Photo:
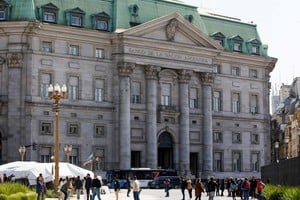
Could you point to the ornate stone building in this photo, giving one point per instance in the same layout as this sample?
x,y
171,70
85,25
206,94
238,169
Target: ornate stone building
x,y
150,84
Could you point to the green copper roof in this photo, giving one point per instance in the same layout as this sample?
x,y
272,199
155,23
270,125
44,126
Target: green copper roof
x,y
124,14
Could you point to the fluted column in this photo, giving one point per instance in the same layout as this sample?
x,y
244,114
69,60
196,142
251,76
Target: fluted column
x,y
184,122
207,151
125,70
151,116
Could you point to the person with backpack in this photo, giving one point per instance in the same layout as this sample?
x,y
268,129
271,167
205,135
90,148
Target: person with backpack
x,y
96,185
246,189
211,188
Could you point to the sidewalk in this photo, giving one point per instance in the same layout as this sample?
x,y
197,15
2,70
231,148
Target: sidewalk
x,y
150,194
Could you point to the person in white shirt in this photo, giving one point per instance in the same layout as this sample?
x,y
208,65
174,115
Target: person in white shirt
x,y
136,189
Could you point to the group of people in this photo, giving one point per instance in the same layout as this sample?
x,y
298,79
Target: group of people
x,y
243,188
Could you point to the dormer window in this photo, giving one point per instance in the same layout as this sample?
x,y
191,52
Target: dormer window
x,y
253,46
236,43
75,17
49,13
4,10
100,21
219,37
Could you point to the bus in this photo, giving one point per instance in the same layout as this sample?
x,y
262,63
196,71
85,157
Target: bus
x,y
144,175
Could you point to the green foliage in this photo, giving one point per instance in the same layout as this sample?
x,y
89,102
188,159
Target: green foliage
x,y
272,192
15,191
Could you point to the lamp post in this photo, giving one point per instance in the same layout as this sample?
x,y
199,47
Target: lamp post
x,y
68,151
276,151
286,141
22,151
57,93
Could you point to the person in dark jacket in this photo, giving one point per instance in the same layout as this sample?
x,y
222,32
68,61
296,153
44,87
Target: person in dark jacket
x,y
88,185
78,186
128,185
96,184
211,188
40,188
65,187
183,185
117,188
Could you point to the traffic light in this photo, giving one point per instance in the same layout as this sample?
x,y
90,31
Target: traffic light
x,y
34,145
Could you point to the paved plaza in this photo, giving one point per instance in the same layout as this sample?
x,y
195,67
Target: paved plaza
x,y
151,194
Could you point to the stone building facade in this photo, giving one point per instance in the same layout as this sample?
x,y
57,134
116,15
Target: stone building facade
x,y
174,90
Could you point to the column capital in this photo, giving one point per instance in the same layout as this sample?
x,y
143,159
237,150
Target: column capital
x,y
125,68
207,77
184,76
151,71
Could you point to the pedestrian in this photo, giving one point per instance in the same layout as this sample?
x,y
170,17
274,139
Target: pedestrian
x,y
78,186
233,188
211,188
167,182
117,188
245,189
222,187
88,185
198,189
65,188
96,184
183,186
5,178
253,184
189,187
218,187
260,186
128,186
40,187
136,189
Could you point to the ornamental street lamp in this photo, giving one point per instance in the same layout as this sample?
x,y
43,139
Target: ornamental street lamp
x,y
22,151
57,93
68,151
276,151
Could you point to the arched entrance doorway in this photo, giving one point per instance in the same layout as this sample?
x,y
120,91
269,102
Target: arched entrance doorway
x,y
165,151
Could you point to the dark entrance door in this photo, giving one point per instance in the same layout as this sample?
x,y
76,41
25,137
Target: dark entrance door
x,y
165,151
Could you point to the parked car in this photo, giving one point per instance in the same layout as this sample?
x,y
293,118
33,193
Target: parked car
x,y
158,182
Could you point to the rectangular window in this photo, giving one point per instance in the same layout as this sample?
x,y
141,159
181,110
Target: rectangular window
x,y
46,128
253,73
255,49
218,161
45,154
76,20
73,129
99,90
236,137
254,162
253,104
45,82
254,138
46,46
99,53
193,98
135,92
236,161
217,101
2,15
74,156
74,50
99,158
49,17
166,94
218,137
73,88
235,71
217,69
101,25
99,131
237,46
236,103
135,159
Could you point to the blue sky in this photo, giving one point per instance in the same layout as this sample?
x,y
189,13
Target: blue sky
x,y
278,24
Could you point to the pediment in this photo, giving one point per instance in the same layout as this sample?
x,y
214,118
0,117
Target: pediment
x,y
254,41
4,4
50,6
77,10
172,28
237,38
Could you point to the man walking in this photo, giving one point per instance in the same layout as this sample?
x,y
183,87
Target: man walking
x,y
88,185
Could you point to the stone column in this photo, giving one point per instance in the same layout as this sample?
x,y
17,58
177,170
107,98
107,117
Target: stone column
x,y
151,115
125,70
207,150
184,122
